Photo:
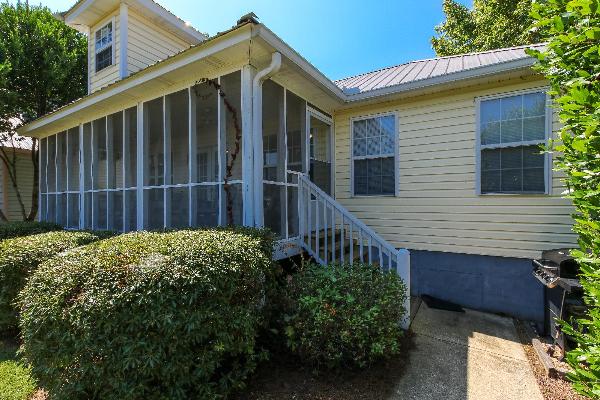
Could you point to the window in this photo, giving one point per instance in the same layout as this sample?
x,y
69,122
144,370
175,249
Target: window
x,y
104,47
374,156
511,130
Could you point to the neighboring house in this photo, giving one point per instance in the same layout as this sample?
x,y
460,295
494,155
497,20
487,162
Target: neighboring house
x,y
20,148
440,156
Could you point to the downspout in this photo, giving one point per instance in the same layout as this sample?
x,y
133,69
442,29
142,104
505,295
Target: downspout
x,y
257,133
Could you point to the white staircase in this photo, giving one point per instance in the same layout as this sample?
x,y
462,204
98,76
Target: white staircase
x,y
331,234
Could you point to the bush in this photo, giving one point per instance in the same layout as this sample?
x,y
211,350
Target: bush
x,y
170,315
571,62
10,230
19,257
344,316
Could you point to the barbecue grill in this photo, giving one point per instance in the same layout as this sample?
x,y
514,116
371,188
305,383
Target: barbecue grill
x,y
563,294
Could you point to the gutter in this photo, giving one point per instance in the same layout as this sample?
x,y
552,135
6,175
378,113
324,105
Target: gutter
x,y
257,128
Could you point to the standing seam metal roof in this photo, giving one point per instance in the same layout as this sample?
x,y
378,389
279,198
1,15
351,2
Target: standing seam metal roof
x,y
435,67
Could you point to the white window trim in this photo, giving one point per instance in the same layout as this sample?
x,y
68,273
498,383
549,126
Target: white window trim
x,y
548,134
396,115
112,43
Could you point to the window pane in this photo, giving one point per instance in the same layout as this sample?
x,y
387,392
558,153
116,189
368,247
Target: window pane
x,y
534,128
130,152
374,146
512,170
205,167
374,176
490,181
73,159
51,164
205,206
534,180
512,180
154,209
179,214
490,159
115,140
61,162
490,111
99,171
360,147
153,143
104,59
178,127
360,129
388,175
512,158
388,126
533,157
534,104
512,107
232,87
490,133
512,131
373,128
43,161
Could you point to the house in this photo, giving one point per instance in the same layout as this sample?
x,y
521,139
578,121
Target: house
x,y
431,167
17,149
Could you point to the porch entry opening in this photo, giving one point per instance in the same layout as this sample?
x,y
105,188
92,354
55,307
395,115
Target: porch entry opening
x,y
296,140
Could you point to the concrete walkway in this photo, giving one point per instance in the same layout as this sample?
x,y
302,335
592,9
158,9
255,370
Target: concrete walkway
x,y
471,355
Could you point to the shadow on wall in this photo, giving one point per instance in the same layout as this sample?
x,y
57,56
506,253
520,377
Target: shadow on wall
x,y
494,284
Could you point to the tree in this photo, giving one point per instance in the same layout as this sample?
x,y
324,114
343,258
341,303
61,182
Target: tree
x,y
571,62
43,66
491,24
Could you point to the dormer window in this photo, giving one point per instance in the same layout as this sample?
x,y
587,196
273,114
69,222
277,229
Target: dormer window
x,y
104,47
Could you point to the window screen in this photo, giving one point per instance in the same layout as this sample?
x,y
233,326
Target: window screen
x,y
373,153
512,130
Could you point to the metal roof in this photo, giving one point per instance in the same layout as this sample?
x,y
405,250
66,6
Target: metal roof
x,y
415,71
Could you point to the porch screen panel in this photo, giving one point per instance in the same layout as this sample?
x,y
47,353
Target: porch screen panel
x,y
204,168
130,170
177,113
51,167
87,156
43,184
115,205
73,159
231,165
115,149
178,197
73,210
99,174
154,170
295,125
61,161
274,154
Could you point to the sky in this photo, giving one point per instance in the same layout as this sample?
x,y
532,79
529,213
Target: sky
x,y
341,38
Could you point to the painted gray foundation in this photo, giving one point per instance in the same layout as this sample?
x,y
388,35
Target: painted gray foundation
x,y
493,284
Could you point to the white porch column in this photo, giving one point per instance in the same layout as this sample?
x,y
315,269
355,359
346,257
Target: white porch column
x,y
248,175
140,166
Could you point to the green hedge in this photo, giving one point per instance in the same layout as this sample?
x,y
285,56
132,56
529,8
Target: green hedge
x,y
343,316
19,257
10,230
170,315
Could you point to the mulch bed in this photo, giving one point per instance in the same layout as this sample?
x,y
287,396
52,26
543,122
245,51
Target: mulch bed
x,y
551,388
284,378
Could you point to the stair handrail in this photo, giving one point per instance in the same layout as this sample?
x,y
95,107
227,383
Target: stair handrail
x,y
347,214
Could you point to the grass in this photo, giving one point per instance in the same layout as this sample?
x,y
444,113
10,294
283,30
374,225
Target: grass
x,y
16,382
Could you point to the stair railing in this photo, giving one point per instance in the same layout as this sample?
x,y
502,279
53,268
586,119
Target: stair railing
x,y
331,234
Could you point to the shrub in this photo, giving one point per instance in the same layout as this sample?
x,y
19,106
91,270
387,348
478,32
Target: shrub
x,y
19,257
10,230
344,316
571,62
170,315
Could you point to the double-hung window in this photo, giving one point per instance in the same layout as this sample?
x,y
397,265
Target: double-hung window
x,y
374,156
104,47
511,131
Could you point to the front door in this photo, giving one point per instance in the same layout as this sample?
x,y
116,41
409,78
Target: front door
x,y
320,144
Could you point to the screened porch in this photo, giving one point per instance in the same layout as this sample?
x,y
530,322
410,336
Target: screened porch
x,y
186,159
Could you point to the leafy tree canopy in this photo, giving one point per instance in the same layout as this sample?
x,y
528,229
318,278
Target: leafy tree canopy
x,y
43,66
491,24
571,62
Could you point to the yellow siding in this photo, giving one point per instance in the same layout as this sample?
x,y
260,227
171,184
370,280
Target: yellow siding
x,y
110,74
437,208
8,196
149,43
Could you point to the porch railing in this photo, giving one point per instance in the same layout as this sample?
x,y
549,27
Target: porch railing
x,y
330,234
